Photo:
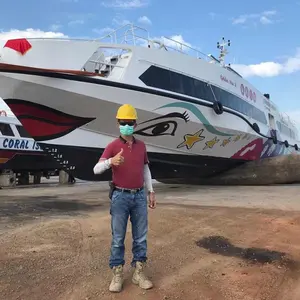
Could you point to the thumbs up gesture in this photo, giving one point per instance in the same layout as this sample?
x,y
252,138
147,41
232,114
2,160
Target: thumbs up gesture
x,y
118,159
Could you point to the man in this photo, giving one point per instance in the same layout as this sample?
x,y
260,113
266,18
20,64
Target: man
x,y
127,156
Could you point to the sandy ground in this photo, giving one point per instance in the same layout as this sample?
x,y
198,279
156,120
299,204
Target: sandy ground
x,y
238,243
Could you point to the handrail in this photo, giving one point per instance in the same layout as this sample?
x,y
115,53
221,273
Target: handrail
x,y
105,63
131,30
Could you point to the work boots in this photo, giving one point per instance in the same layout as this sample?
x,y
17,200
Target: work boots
x,y
117,280
139,278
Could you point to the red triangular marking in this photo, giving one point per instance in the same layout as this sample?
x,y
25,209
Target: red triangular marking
x,y
19,45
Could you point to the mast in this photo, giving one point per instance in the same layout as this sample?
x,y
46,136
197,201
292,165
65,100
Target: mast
x,y
223,50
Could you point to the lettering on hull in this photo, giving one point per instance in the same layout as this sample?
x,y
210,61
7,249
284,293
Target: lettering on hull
x,y
19,144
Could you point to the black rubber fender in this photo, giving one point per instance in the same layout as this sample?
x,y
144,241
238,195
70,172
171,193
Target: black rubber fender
x,y
218,107
296,147
286,143
275,141
256,127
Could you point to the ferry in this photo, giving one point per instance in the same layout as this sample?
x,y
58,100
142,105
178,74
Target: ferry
x,y
196,114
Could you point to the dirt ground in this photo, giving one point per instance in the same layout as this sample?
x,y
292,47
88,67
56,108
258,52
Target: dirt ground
x,y
215,243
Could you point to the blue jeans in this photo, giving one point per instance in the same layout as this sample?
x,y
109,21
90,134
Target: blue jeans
x,y
122,206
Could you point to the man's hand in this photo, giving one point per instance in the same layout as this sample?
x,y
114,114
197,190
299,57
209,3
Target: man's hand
x,y
152,200
118,159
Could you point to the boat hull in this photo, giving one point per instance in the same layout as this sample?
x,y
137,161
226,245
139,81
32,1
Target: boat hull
x,y
21,161
73,119
163,165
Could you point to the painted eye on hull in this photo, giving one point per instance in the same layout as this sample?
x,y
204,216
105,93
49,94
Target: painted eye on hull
x,y
163,128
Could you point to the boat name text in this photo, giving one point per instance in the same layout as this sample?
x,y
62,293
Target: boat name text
x,y
223,78
20,144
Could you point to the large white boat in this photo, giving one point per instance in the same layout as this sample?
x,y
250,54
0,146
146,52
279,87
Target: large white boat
x,y
197,116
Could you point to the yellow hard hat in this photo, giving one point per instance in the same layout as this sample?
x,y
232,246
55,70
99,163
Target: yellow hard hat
x,y
126,112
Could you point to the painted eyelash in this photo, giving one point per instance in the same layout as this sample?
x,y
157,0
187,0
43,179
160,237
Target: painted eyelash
x,y
186,116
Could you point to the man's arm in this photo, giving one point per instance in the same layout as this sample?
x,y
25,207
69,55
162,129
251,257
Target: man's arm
x,y
147,173
148,178
104,162
102,165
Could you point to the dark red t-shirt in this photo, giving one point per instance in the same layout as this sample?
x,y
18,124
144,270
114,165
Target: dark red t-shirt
x,y
130,174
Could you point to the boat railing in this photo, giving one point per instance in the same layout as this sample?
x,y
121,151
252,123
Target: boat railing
x,y
130,35
282,115
287,119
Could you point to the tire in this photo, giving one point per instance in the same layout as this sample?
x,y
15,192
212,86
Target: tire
x,y
256,127
218,107
286,143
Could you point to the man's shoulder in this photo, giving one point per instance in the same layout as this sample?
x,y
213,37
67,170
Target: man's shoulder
x,y
138,141
115,142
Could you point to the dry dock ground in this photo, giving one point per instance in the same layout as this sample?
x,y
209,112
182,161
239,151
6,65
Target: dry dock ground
x,y
238,243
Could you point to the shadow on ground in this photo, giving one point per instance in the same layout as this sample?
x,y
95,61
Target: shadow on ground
x,y
221,245
27,208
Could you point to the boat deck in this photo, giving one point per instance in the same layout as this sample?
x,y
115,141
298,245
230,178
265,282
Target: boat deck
x,y
204,243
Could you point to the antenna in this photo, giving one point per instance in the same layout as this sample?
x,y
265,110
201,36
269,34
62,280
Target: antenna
x,y
223,50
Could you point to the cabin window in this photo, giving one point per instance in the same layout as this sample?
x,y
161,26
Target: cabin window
x,y
22,131
172,81
6,130
285,130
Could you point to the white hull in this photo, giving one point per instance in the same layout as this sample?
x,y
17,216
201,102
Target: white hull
x,y
62,111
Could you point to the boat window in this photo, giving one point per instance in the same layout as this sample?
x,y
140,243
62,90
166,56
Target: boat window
x,y
172,81
22,131
286,130
5,129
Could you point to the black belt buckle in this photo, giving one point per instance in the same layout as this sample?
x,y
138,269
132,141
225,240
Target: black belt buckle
x,y
131,191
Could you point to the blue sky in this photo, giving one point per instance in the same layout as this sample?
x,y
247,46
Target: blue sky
x,y
265,45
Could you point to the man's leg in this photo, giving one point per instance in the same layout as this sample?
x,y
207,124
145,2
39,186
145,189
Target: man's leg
x,y
139,221
119,211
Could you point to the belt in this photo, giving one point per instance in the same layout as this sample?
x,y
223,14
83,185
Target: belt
x,y
131,191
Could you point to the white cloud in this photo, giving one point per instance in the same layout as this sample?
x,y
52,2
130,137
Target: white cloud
x,y
264,20
212,15
119,20
55,27
144,20
265,17
126,4
76,22
29,33
75,19
270,68
172,41
177,38
102,31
